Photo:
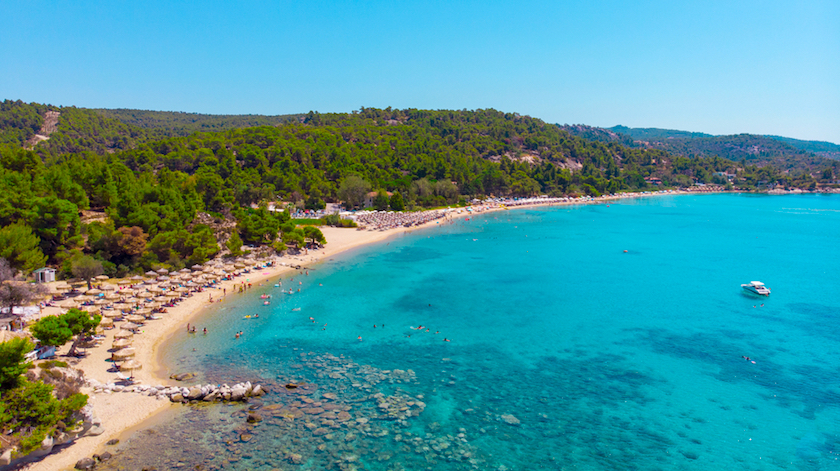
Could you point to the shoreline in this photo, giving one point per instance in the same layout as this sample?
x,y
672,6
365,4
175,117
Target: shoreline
x,y
122,413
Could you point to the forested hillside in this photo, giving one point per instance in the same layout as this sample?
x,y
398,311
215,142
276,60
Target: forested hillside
x,y
184,124
159,201
784,153
821,148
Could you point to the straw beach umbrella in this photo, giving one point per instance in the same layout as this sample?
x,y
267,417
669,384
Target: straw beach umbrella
x,y
124,282
106,322
124,334
134,318
123,354
151,273
111,314
101,277
130,326
121,343
131,365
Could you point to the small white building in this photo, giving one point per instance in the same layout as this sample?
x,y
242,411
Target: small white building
x,y
44,275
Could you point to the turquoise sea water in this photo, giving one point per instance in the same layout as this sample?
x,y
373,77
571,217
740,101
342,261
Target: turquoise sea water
x,y
565,352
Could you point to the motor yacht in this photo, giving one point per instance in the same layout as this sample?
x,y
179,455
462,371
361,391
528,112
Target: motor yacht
x,y
757,287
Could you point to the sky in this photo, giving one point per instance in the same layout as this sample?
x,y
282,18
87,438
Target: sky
x,y
720,67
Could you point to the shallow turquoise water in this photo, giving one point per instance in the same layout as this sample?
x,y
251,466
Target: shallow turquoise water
x,y
607,359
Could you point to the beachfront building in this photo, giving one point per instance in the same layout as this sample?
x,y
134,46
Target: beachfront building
x,y
44,275
372,196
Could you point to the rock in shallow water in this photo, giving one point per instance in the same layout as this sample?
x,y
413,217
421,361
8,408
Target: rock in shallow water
x,y
85,463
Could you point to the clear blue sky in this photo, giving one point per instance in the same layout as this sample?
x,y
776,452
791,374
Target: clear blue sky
x,y
722,67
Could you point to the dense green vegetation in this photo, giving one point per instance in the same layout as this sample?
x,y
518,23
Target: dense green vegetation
x,y
821,148
183,124
153,192
29,410
783,153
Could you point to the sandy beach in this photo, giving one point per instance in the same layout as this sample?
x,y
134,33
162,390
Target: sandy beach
x,y
119,412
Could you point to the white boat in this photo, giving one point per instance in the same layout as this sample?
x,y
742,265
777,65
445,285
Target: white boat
x,y
757,287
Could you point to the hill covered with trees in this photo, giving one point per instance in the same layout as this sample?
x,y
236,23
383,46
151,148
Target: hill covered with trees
x,y
784,153
152,197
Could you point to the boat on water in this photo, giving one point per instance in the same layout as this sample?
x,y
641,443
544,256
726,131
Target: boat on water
x,y
757,287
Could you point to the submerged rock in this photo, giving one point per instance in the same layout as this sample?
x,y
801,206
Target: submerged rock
x,y
509,419
85,463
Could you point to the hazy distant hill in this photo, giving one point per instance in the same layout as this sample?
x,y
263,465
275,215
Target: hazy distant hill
x,y
822,148
783,152
646,134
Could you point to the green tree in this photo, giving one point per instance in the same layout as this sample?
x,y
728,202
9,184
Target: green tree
x,y
397,203
86,268
13,362
234,244
52,331
81,324
314,234
29,413
353,191
20,247
380,202
58,330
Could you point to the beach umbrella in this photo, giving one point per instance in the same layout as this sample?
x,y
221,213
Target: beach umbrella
x,y
111,314
112,296
153,305
130,325
155,289
123,354
121,343
106,322
136,278
124,282
238,265
162,271
186,276
69,304
162,278
150,281
151,273
133,318
131,365
101,302
101,277
161,299
108,288
90,309
197,267
181,289
131,301
93,292
173,294
145,294
124,334
61,286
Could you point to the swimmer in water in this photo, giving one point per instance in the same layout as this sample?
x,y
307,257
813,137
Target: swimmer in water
x,y
360,337
446,340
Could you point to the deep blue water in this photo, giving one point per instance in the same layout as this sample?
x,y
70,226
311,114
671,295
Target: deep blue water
x,y
607,359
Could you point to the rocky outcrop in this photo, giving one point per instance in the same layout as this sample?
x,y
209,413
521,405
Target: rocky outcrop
x,y
205,393
89,425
